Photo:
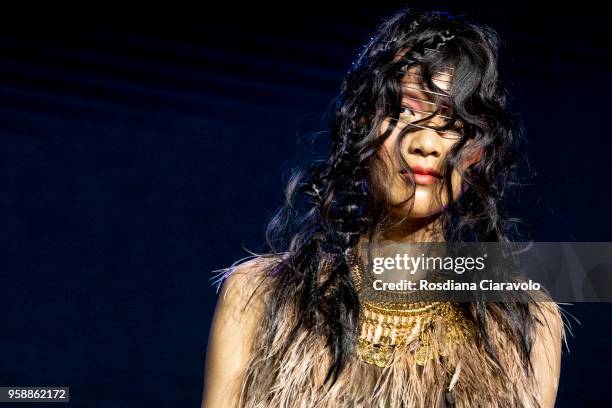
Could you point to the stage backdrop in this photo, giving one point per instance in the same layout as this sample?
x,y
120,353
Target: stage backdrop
x,y
139,154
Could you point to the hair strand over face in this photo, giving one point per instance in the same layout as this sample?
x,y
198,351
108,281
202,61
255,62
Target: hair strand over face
x,y
333,202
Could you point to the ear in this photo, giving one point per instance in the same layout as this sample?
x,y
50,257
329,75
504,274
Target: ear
x,y
473,157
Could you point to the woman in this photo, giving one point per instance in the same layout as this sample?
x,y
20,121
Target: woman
x,y
421,151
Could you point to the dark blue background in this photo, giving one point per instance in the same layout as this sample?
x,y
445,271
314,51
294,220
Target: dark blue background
x,y
140,153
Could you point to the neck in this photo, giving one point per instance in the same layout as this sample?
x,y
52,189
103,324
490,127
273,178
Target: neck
x,y
412,230
427,229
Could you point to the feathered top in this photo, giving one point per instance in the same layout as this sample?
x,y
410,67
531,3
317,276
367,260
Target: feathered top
x,y
461,376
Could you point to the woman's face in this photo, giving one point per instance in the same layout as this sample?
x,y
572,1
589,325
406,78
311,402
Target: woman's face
x,y
424,150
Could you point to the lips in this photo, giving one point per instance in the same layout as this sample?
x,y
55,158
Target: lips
x,y
422,175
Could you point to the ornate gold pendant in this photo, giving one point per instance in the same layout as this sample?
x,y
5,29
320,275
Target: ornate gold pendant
x,y
385,326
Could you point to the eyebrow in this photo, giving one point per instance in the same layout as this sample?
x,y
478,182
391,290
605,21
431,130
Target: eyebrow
x,y
421,90
420,97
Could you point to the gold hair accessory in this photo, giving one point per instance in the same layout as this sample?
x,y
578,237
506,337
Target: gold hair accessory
x,y
385,326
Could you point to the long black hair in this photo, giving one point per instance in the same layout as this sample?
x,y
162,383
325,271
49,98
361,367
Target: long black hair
x,y
333,202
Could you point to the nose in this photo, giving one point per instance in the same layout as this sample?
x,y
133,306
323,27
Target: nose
x,y
425,142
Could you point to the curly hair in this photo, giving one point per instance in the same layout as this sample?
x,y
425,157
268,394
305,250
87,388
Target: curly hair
x,y
331,203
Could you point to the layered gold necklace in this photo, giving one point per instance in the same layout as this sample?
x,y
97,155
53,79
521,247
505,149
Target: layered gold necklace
x,y
385,326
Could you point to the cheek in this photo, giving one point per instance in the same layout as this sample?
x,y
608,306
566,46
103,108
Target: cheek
x,y
384,126
473,158
458,187
388,148
390,140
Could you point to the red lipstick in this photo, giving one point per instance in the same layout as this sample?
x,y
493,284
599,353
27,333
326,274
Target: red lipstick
x,y
423,175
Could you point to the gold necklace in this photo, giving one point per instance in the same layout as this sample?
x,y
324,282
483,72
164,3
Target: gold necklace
x,y
385,326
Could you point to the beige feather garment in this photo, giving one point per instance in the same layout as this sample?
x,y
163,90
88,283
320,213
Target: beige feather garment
x,y
463,377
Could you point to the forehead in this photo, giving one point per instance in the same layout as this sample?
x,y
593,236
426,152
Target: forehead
x,y
414,80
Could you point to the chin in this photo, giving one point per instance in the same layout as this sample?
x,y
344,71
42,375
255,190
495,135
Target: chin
x,y
419,210
426,204
423,212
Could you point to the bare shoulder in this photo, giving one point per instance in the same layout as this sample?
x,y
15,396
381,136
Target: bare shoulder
x,y
238,314
549,321
549,335
247,286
